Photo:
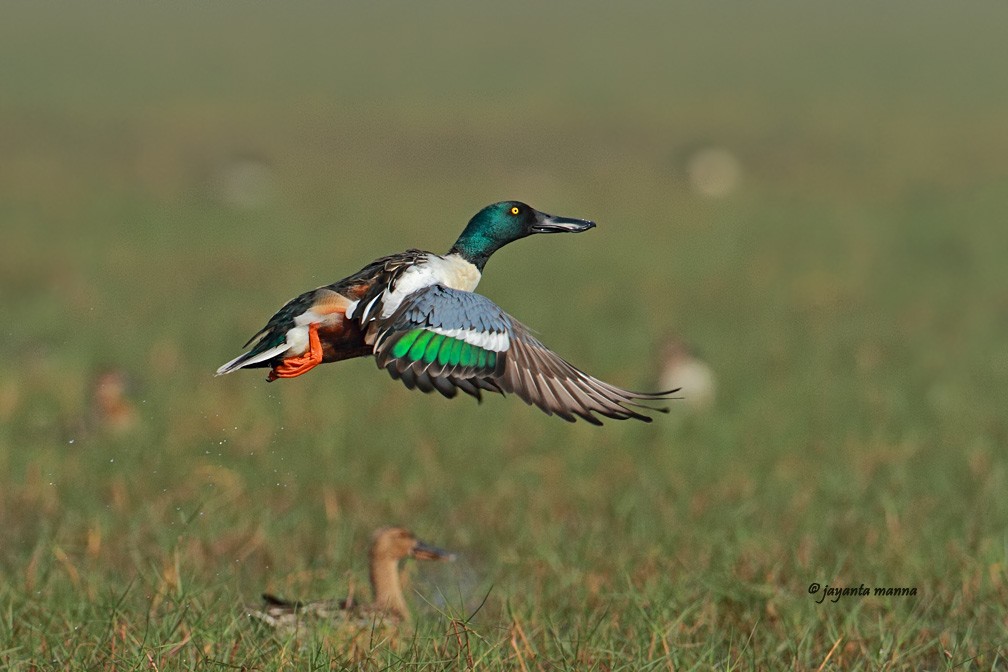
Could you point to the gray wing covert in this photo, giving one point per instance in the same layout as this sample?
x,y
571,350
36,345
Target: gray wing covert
x,y
443,339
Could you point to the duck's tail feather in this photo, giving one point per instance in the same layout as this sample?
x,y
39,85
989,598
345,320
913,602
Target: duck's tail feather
x,y
252,357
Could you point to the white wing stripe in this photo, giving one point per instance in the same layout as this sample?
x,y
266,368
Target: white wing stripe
x,y
497,342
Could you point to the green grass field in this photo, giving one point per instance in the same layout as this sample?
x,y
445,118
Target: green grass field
x,y
170,175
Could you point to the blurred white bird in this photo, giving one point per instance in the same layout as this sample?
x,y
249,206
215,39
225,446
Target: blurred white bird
x,y
681,368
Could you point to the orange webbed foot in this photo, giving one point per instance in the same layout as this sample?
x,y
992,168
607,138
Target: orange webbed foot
x,y
295,366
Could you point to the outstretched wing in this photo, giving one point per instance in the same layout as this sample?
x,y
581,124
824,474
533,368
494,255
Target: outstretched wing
x,y
448,340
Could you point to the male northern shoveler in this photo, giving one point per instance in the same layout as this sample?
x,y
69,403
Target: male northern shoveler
x,y
417,314
389,545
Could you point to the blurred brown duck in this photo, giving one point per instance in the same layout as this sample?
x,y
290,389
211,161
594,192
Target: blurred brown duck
x,y
389,545
111,409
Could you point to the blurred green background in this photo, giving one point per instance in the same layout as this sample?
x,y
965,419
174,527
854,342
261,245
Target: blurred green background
x,y
811,194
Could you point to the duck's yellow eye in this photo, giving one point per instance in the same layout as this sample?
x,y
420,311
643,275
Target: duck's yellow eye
x,y
514,210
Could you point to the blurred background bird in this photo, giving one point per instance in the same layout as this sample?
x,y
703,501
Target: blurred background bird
x,y
682,368
388,608
111,408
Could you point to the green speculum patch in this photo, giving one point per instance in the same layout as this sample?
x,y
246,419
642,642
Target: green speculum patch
x,y
433,347
422,345
404,344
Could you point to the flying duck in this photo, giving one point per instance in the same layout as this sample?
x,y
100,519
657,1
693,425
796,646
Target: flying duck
x,y
416,313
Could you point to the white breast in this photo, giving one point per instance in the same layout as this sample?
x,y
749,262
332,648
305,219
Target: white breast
x,y
451,271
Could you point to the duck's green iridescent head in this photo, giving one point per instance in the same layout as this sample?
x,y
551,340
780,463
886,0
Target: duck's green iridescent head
x,y
501,223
